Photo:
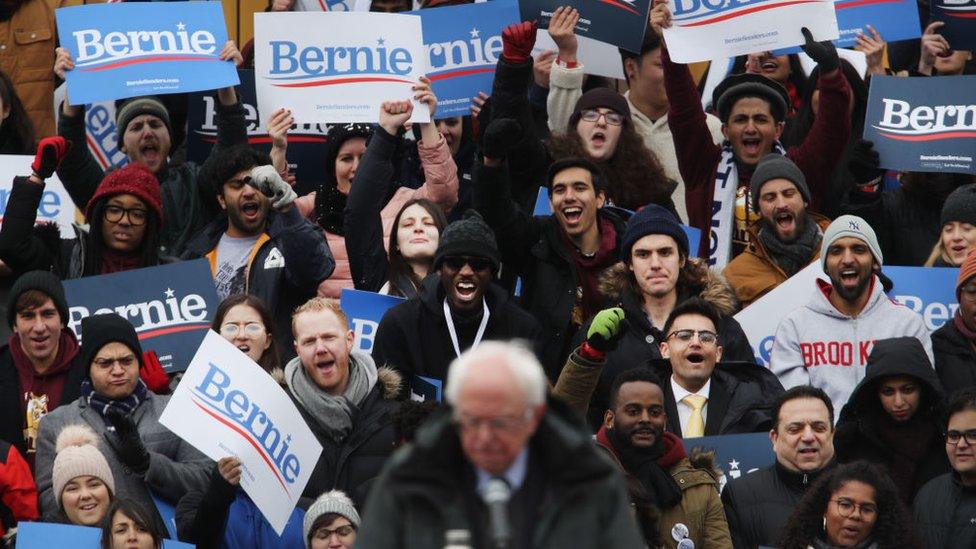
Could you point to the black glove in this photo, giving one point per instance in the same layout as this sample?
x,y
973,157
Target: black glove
x,y
500,135
865,164
824,53
126,442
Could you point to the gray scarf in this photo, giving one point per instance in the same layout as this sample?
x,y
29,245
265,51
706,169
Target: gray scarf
x,y
332,414
793,256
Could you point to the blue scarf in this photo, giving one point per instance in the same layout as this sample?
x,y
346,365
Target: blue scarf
x,y
103,404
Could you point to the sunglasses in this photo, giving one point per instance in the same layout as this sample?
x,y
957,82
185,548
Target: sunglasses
x,y
457,262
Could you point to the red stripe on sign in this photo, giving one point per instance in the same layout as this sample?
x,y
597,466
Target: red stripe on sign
x,y
248,438
358,79
961,15
756,9
291,139
93,147
858,3
141,60
455,74
930,137
621,6
174,330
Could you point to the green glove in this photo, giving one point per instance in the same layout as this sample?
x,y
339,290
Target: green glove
x,y
605,329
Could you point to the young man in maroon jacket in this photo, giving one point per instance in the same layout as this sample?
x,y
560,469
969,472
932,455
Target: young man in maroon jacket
x,y
753,110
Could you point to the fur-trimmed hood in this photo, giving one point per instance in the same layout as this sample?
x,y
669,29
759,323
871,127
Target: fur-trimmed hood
x,y
390,382
712,288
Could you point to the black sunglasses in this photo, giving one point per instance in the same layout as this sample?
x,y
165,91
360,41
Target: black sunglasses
x,y
457,262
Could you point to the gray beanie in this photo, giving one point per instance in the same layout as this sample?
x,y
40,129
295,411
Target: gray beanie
x,y
469,236
776,166
336,502
960,206
854,226
125,111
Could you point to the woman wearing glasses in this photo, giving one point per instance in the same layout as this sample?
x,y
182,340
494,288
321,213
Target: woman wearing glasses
x,y
124,218
245,321
854,507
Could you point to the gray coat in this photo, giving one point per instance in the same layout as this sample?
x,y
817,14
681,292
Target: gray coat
x,y
174,466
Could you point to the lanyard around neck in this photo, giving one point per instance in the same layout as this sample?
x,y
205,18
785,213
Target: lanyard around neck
x,y
453,331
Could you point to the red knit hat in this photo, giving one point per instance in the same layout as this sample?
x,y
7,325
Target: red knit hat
x,y
134,179
966,271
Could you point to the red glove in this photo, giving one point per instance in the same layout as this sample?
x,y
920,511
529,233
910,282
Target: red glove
x,y
50,152
153,375
518,40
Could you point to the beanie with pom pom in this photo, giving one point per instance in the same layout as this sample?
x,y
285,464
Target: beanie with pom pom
x,y
78,455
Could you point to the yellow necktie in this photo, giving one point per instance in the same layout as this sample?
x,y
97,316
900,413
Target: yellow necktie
x,y
696,423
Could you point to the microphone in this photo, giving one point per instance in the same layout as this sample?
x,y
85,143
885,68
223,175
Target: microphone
x,y
496,496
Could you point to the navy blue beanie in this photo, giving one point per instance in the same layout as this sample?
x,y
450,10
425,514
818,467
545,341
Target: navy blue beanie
x,y
652,219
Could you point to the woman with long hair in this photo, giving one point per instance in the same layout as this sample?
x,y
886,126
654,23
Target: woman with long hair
x,y
124,218
853,507
245,321
128,525
958,235
16,129
412,243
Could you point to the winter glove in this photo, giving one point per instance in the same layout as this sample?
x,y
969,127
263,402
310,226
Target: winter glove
x,y
865,163
499,137
518,40
152,373
50,152
126,442
605,329
824,53
269,182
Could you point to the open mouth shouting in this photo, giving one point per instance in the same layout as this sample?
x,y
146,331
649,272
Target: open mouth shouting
x,y
785,222
573,215
695,359
465,290
849,277
769,65
752,146
251,211
598,139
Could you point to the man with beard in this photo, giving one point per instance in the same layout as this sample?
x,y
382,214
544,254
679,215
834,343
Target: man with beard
x,y
675,495
785,239
457,309
263,246
826,343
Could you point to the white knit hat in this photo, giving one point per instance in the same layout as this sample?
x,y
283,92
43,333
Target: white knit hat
x,y
336,502
854,226
78,455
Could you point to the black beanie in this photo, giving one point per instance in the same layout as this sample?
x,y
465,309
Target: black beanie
x,y
98,331
960,206
43,281
776,166
469,236
599,97
652,219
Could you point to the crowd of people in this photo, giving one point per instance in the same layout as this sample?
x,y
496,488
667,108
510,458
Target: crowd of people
x,y
545,378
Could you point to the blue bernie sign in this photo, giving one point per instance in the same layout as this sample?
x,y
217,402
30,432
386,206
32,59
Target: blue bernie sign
x,y
364,311
463,45
170,306
923,124
618,22
737,455
44,535
129,49
893,19
959,17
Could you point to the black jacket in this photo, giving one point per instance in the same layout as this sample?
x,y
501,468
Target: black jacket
x,y
533,249
955,359
350,464
413,337
858,433
578,496
291,260
944,513
640,342
907,227
758,505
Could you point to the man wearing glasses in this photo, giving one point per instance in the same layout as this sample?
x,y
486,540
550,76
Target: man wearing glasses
x,y
456,309
945,508
501,440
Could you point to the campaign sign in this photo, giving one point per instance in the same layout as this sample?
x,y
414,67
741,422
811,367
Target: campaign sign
x,y
306,142
342,75
101,132
704,30
737,455
171,306
56,205
618,22
959,17
893,19
598,58
463,45
44,535
929,291
925,124
131,49
226,405
364,311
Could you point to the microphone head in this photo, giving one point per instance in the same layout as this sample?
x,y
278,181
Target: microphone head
x,y
497,490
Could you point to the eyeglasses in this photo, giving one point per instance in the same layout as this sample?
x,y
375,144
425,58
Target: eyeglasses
x,y
251,328
457,262
706,337
137,216
846,508
342,531
125,361
955,437
495,424
612,118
